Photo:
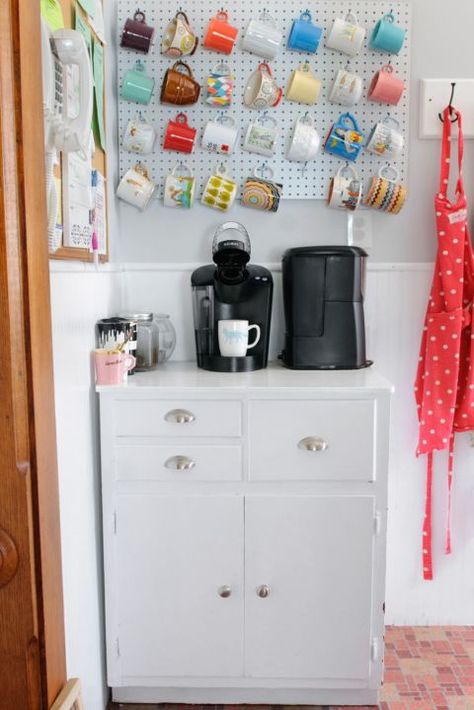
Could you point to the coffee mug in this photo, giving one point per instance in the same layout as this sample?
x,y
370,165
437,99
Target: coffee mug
x,y
345,138
220,35
135,187
220,85
220,191
136,34
137,85
234,337
262,37
304,142
262,193
220,135
179,87
386,194
386,87
387,36
139,136
179,40
179,135
261,90
386,140
111,366
346,35
179,189
304,36
262,136
346,89
303,87
345,189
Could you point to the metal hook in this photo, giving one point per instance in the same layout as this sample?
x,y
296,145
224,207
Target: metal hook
x,y
304,167
450,106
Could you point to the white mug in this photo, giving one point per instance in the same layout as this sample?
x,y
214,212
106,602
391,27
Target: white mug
x,y
385,140
347,88
135,187
262,37
261,90
305,141
179,189
234,337
262,136
220,135
346,35
139,136
345,190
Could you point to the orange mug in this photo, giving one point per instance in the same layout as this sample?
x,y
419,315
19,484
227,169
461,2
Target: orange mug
x,y
386,87
220,35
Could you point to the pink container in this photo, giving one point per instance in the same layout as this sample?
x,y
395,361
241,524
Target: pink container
x,y
386,87
112,366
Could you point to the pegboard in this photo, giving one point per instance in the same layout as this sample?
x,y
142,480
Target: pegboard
x,y
300,181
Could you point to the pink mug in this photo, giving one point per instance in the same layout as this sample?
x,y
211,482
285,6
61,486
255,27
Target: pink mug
x,y
386,87
111,366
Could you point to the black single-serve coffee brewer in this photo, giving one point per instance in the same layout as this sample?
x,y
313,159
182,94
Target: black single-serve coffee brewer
x,y
323,295
232,304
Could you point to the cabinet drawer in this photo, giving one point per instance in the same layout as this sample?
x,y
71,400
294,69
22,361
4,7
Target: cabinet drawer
x,y
178,462
176,418
312,440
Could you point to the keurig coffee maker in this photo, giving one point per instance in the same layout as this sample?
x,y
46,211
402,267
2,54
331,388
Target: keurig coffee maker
x,y
324,311
239,293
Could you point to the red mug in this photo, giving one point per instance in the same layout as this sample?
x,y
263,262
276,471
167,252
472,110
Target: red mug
x,y
386,87
179,135
220,35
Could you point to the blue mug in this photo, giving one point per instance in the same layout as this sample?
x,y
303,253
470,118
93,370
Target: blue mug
x,y
304,36
387,36
345,138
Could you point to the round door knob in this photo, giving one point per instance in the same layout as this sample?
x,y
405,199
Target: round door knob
x,y
263,591
8,558
224,591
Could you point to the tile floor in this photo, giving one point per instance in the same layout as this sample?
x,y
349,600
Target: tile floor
x,y
426,668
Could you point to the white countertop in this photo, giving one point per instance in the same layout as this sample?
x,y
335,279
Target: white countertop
x,y
185,375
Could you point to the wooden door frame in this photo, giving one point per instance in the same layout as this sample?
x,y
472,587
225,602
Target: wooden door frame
x,y
32,655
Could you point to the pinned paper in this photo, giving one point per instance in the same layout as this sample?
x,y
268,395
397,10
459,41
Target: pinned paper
x,y
83,28
98,72
52,14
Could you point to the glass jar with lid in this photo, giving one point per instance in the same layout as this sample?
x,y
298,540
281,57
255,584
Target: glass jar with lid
x,y
166,337
148,338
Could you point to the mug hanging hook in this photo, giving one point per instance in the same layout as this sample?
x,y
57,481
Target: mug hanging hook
x,y
450,106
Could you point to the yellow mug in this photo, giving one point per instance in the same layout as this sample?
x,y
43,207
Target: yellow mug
x,y
220,191
303,87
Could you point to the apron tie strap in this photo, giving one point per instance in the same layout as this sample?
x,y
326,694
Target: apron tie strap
x,y
426,540
448,548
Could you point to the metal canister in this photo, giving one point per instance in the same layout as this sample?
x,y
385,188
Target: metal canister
x,y
112,332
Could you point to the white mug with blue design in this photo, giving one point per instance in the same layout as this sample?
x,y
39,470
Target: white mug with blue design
x,y
234,337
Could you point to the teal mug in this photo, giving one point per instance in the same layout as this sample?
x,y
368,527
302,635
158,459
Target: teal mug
x,y
387,36
137,85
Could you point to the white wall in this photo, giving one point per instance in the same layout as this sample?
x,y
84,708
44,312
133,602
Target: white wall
x,y
79,298
441,44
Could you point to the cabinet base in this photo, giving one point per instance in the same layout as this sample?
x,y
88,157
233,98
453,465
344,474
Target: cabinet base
x,y
254,696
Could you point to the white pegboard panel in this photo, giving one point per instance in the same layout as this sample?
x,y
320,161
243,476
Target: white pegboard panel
x,y
313,181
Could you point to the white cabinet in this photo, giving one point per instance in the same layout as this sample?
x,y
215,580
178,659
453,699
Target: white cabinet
x,y
174,554
242,565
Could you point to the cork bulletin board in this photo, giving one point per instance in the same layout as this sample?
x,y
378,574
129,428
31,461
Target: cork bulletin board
x,y
99,162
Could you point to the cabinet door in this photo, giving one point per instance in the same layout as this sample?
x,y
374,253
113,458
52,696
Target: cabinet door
x,y
315,555
173,555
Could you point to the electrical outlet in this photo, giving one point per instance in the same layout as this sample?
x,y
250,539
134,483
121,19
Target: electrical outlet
x,y
359,229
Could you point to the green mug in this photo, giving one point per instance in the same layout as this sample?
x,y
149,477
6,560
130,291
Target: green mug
x,y
137,85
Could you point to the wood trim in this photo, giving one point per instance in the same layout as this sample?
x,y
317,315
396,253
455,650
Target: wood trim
x,y
32,656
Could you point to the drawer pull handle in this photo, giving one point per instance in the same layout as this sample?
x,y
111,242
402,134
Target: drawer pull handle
x,y
224,591
180,416
179,463
313,443
263,591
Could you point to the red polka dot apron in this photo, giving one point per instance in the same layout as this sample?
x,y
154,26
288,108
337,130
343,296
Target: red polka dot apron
x,y
444,386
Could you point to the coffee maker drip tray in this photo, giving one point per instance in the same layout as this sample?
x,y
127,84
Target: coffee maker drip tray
x,y
216,363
